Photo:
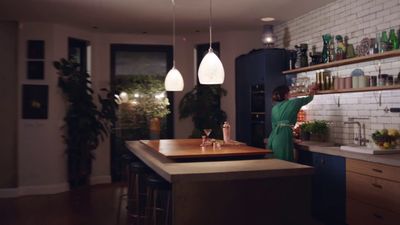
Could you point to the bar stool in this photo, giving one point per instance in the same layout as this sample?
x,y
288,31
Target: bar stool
x,y
158,204
136,195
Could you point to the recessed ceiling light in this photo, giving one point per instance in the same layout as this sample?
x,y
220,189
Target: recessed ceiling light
x,y
267,19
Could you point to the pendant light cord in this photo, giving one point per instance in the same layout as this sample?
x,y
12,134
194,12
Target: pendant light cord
x,y
210,24
173,32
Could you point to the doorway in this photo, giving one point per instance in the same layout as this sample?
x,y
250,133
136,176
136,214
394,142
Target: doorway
x,y
132,63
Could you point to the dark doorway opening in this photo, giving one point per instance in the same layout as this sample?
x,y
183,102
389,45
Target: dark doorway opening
x,y
129,61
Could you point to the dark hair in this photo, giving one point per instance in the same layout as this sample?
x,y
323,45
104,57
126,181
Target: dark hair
x,y
278,94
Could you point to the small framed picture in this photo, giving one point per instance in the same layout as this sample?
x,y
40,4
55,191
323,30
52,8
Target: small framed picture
x,y
35,49
35,70
35,101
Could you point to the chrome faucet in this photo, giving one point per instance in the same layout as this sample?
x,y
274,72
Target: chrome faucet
x,y
361,136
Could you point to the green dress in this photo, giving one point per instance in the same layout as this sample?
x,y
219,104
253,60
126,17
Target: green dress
x,y
284,116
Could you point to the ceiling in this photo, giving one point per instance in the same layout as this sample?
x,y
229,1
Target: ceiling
x,y
155,16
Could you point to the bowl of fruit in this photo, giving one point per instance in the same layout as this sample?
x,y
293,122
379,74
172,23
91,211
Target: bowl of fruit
x,y
386,138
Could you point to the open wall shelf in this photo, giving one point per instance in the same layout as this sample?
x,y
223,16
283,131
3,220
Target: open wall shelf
x,y
343,62
350,90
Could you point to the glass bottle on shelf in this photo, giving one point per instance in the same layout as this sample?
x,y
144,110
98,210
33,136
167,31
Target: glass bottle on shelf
x,y
393,41
398,36
377,44
384,42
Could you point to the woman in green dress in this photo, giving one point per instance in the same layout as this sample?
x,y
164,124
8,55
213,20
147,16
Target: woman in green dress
x,y
284,117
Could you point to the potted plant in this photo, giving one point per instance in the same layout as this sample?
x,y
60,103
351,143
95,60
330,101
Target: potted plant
x,y
203,105
85,124
319,130
305,131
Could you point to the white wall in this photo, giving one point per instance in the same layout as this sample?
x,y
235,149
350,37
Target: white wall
x,y
357,19
8,98
41,157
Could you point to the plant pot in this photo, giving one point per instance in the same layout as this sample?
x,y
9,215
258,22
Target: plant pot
x,y
155,128
318,137
305,136
79,170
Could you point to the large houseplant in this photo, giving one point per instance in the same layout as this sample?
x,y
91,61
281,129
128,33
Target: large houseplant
x,y
85,124
203,105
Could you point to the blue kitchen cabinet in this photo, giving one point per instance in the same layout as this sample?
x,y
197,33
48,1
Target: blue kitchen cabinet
x,y
328,186
256,75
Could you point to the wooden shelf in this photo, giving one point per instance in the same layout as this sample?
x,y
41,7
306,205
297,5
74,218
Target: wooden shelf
x,y
366,89
343,62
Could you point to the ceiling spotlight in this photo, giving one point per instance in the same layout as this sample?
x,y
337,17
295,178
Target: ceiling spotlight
x,y
267,19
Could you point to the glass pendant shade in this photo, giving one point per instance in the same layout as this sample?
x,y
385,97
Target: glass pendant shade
x,y
211,70
174,80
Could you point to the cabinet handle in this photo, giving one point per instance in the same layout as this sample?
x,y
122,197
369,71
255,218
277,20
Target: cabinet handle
x,y
377,170
377,186
378,216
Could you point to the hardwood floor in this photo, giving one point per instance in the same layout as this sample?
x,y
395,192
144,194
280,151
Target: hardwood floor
x,y
95,205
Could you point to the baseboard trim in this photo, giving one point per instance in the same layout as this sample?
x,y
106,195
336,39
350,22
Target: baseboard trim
x,y
43,189
47,189
33,190
100,180
8,192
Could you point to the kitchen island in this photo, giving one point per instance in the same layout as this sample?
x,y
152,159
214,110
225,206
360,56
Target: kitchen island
x,y
251,191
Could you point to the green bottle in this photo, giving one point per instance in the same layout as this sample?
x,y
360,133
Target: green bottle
x,y
384,42
393,40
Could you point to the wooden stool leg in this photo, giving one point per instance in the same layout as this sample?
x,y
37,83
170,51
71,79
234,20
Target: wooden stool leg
x,y
148,206
168,208
155,207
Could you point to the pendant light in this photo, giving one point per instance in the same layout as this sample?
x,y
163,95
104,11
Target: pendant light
x,y
173,80
211,70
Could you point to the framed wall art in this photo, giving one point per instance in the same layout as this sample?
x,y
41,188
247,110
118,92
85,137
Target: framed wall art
x,y
35,101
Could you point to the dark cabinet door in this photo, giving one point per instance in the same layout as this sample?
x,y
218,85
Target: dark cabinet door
x,y
329,189
242,98
328,186
264,68
275,63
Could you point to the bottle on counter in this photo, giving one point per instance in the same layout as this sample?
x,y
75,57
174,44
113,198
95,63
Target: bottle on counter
x,y
226,131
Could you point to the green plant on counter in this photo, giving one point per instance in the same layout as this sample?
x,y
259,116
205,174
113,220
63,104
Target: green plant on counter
x,y
203,105
317,130
85,124
318,127
305,127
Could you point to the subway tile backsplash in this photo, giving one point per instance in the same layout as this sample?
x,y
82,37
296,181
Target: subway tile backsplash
x,y
357,19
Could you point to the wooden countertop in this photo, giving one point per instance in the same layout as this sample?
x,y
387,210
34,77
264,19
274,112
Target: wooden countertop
x,y
329,149
215,170
190,148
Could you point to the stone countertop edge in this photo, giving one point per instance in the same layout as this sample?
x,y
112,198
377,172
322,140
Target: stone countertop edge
x,y
389,159
216,170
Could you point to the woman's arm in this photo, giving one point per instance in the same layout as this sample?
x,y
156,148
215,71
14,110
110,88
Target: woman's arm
x,y
300,102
